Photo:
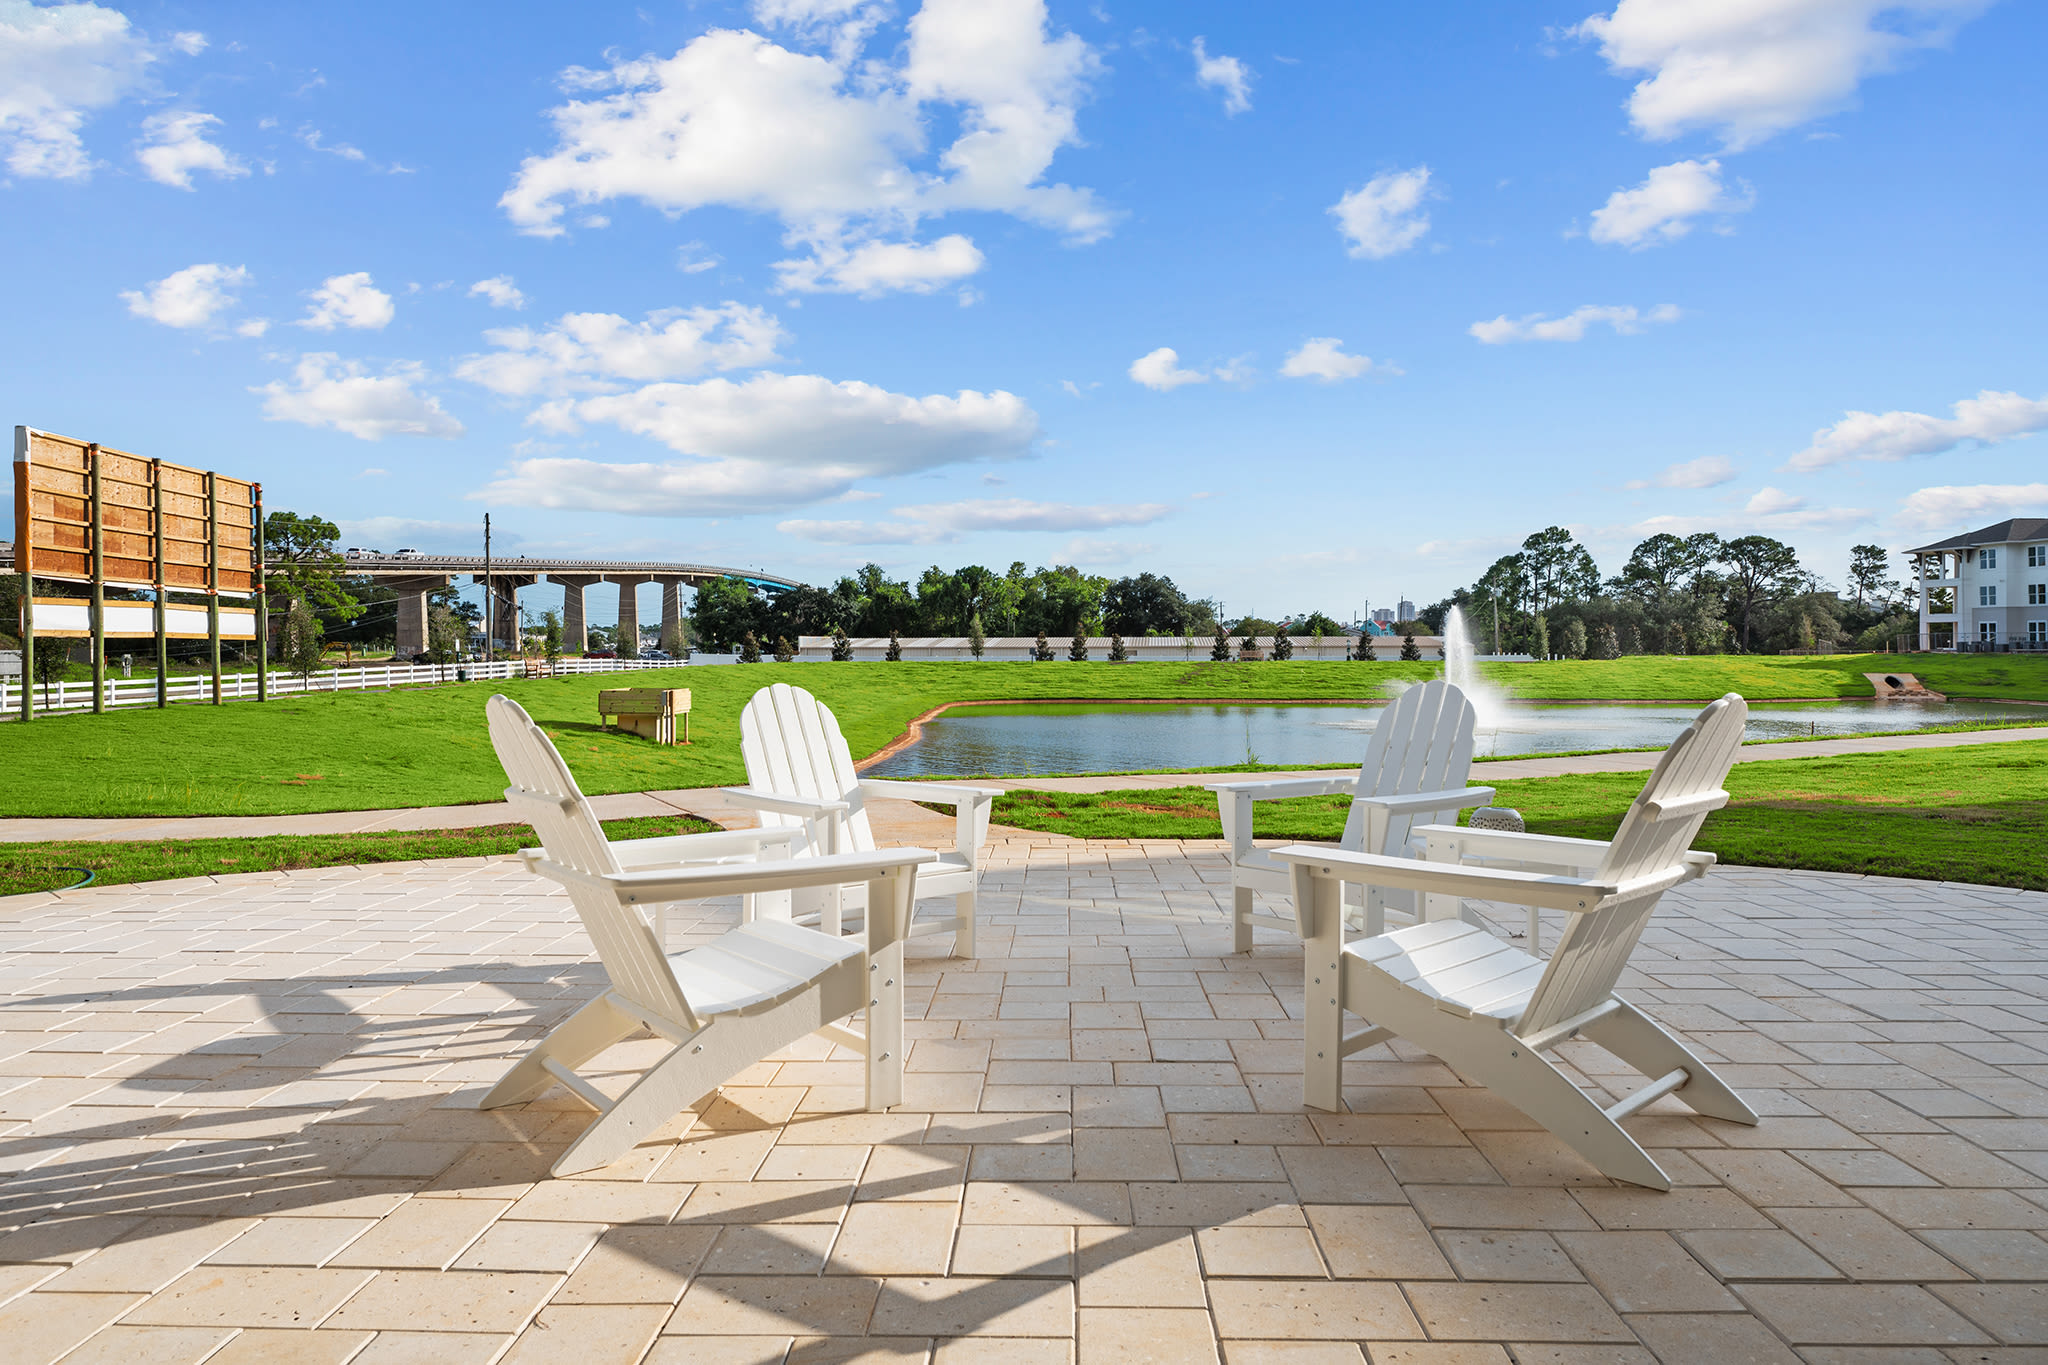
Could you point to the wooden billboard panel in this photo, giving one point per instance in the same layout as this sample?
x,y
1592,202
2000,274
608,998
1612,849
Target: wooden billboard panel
x,y
200,525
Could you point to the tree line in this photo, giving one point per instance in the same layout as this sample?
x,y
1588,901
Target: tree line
x,y
1697,594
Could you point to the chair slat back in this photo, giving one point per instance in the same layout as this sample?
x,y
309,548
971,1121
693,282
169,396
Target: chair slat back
x,y
1422,743
544,792
792,745
1595,947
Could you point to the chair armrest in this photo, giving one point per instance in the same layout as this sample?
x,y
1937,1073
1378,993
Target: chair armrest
x,y
652,886
1451,879
686,848
938,793
1281,788
1533,848
808,806
1410,803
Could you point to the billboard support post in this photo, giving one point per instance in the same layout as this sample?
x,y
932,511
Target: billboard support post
x,y
156,573
213,581
262,594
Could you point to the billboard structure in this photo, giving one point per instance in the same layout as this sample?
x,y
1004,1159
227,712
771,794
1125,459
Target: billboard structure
x,y
85,513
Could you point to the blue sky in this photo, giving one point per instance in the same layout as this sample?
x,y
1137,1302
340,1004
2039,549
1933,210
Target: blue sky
x,y
1308,306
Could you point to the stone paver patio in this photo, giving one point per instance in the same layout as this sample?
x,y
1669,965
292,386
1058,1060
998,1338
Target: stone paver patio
x,y
237,1125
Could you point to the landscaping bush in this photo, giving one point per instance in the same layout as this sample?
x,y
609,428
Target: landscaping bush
x,y
1574,639
1283,647
785,652
1078,651
1220,651
842,648
1043,652
895,651
1117,653
750,649
1411,653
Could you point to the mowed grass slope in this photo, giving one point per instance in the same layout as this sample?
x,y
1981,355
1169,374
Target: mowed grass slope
x,y
428,746
1973,814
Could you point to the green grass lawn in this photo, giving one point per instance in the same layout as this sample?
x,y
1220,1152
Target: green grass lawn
x,y
427,745
46,867
1974,814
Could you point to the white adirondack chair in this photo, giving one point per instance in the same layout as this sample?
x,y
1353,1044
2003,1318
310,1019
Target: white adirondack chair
x,y
800,774
724,1006
1414,773
1490,1010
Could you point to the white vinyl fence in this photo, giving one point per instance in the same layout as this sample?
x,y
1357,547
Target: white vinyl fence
x,y
77,696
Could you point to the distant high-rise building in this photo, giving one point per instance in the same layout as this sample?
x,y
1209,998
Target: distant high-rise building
x,y
1383,615
1407,610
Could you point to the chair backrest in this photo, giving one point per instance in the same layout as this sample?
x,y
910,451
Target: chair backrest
x,y
792,746
544,792
1647,854
1422,743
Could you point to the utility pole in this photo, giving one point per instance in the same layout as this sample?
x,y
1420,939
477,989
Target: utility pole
x,y
490,597
1496,625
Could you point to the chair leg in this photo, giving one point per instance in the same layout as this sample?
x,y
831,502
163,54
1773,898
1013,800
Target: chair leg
x,y
963,937
1240,919
885,1026
1322,967
1648,1047
574,1041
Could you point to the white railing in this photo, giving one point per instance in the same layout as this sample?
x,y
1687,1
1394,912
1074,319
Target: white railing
x,y
77,696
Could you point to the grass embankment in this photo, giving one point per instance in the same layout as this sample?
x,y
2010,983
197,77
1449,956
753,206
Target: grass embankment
x,y
1973,814
427,745
48,866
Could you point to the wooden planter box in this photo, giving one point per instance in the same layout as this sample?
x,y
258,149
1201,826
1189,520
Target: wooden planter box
x,y
646,711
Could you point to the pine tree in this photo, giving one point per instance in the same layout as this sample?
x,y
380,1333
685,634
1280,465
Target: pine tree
x,y
1283,646
1220,651
1043,653
895,651
1078,651
750,649
1117,653
785,652
976,641
1364,652
1541,646
1411,653
842,648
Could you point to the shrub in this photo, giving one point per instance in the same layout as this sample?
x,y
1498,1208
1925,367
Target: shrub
x,y
1043,651
1606,644
551,636
750,649
1363,654
1117,653
895,651
1540,645
842,648
976,641
1411,653
1574,639
1283,646
1078,651
1220,651
785,652
302,646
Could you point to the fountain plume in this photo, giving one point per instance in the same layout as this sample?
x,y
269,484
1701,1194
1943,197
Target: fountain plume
x,y
1461,670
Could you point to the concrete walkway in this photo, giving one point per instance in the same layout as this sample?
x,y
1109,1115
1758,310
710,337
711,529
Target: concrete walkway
x,y
710,803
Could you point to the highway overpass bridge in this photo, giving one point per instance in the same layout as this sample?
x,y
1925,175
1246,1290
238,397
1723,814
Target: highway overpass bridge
x,y
413,575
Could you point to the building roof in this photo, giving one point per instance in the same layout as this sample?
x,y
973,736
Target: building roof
x,y
2004,533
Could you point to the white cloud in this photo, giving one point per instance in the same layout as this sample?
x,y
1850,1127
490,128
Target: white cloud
x,y
936,523
871,269
1662,208
1384,216
1768,501
191,44
327,391
254,327
58,64
1988,418
455,537
1625,320
1750,69
1953,508
603,352
691,263
1323,358
1709,471
1161,370
1093,550
175,145
775,441
832,145
1226,74
191,297
348,301
1782,521
500,291
316,140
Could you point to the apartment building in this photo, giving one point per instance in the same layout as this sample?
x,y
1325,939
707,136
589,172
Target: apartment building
x,y
1985,589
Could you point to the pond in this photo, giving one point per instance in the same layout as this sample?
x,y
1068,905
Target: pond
x,y
1023,738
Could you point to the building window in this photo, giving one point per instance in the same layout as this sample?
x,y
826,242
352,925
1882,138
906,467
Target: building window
x,y
1987,559
1987,596
2037,594
2037,634
1987,633
2037,556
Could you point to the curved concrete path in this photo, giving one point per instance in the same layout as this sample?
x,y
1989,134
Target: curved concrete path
x,y
709,803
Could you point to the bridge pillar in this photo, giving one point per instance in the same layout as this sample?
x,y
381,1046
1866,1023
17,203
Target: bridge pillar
x,y
411,636
672,615
575,623
629,613
503,621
